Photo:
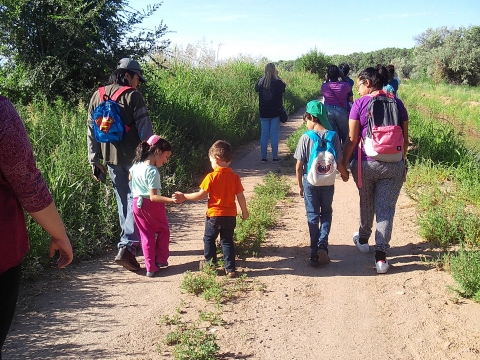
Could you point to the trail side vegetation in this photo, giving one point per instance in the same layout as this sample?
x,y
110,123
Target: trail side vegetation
x,y
55,53
444,174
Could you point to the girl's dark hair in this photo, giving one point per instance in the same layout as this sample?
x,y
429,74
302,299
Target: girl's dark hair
x,y
118,77
333,73
144,149
378,76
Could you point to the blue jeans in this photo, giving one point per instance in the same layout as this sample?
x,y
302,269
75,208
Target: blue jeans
x,y
129,237
318,204
225,226
270,129
338,118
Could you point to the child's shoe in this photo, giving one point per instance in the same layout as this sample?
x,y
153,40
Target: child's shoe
x,y
151,273
162,265
230,273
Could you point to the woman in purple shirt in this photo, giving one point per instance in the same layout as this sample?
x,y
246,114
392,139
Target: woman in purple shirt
x,y
335,98
382,181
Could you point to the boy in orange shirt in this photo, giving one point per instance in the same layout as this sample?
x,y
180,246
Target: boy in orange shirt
x,y
221,186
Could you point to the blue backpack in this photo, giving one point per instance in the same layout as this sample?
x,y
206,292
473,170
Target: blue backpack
x,y
322,164
108,125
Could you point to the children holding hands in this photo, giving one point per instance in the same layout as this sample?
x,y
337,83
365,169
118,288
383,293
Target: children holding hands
x,y
221,186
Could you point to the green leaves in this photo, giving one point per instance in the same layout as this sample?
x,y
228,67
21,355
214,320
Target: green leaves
x,y
69,47
449,54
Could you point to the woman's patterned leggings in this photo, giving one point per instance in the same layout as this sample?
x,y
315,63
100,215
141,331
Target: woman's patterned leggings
x,y
382,182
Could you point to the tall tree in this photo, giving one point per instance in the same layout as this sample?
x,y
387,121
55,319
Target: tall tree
x,y
67,47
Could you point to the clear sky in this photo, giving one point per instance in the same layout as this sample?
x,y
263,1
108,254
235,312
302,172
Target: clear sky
x,y
284,30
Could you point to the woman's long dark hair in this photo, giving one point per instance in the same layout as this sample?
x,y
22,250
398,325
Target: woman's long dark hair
x,y
144,149
378,76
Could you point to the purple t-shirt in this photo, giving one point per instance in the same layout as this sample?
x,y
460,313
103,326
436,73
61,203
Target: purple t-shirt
x,y
359,112
335,93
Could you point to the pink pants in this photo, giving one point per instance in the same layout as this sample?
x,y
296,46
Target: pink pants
x,y
152,223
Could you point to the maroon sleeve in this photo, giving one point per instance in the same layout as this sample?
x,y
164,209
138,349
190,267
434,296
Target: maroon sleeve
x,y
17,164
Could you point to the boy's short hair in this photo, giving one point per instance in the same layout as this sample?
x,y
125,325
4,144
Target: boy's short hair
x,y
221,150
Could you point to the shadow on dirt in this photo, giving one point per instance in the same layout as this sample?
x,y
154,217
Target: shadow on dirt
x,y
345,261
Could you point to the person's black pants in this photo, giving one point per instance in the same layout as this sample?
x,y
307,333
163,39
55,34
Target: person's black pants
x,y
9,286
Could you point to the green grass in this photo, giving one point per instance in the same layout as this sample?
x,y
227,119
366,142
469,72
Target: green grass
x,y
465,268
444,173
250,234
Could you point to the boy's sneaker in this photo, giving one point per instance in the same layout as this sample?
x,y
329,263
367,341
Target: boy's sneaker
x,y
382,266
230,273
314,261
264,161
364,248
277,160
162,265
323,258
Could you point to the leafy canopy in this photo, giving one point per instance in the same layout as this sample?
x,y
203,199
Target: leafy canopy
x,y
68,47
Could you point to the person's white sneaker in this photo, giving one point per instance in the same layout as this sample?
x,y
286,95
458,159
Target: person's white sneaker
x,y
364,248
382,266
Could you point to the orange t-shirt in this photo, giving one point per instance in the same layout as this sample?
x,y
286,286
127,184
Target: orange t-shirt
x,y
222,186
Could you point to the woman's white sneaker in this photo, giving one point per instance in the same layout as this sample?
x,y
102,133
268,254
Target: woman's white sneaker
x,y
382,266
364,248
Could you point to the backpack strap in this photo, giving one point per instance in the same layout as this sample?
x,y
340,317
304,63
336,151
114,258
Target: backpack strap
x,y
101,93
119,92
314,136
329,135
359,164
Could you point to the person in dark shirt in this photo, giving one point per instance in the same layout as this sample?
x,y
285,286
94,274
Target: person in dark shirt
x,y
270,89
118,156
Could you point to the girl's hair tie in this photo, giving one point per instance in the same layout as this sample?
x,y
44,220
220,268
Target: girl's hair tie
x,y
152,140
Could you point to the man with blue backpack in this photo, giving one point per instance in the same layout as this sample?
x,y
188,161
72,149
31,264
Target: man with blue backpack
x,y
118,121
319,155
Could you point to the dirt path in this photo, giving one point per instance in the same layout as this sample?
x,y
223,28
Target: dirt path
x,y
97,310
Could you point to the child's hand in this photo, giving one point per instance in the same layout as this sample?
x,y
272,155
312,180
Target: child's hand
x,y
245,215
178,197
345,177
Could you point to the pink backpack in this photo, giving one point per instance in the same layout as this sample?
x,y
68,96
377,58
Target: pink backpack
x,y
384,139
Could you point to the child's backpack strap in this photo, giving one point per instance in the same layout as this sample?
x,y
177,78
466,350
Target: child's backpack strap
x,y
329,135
